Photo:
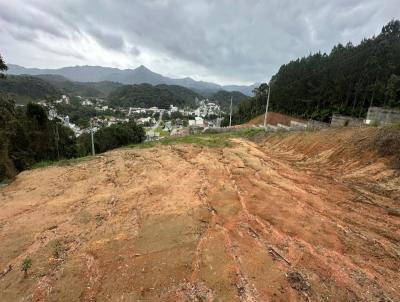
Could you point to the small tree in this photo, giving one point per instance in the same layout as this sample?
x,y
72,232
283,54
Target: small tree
x,y
26,265
3,67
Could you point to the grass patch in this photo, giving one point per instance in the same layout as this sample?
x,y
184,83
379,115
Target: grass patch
x,y
60,163
248,133
159,130
387,143
206,140
396,126
212,140
5,182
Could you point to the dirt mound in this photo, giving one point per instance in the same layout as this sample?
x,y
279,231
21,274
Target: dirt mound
x,y
274,118
297,217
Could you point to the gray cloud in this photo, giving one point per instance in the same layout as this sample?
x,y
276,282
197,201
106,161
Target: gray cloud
x,y
135,51
225,40
112,41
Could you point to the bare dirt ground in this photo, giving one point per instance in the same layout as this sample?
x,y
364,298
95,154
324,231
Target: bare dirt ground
x,y
274,118
295,217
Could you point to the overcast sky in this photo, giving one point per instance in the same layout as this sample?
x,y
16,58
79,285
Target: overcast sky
x,y
225,41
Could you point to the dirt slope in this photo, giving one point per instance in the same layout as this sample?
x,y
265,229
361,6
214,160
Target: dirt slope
x,y
295,217
274,118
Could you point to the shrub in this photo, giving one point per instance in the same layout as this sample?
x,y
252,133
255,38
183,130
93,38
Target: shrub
x,y
58,249
26,265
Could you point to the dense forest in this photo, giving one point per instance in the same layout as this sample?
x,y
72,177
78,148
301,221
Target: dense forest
x,y
146,95
27,137
223,98
27,88
85,89
347,81
112,137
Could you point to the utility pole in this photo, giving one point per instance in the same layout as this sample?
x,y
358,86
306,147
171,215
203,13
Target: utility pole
x,y
91,134
57,140
230,116
266,107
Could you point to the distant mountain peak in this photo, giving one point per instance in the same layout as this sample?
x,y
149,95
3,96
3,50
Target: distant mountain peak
x,y
139,75
142,67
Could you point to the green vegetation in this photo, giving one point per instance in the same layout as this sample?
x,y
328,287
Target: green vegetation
x,y
146,95
112,137
26,265
347,81
61,162
3,67
161,131
387,143
79,114
89,89
28,137
212,140
28,88
5,182
58,248
205,140
223,98
249,108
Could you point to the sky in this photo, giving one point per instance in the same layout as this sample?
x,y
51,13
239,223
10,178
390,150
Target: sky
x,y
223,41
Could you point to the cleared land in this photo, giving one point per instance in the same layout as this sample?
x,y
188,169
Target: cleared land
x,y
273,118
290,217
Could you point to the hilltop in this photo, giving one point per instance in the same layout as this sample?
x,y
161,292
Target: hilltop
x,y
287,217
85,89
26,88
146,95
138,75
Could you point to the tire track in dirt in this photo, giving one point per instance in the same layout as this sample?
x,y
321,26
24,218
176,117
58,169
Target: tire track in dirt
x,y
93,275
203,197
244,290
343,270
190,223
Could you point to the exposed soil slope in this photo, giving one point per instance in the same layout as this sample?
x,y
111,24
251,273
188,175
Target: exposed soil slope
x,y
295,217
274,118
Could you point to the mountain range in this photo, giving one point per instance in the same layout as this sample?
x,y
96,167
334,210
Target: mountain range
x,y
138,75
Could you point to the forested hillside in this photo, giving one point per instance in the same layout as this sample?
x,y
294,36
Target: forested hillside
x,y
89,89
27,137
27,88
223,98
346,81
146,95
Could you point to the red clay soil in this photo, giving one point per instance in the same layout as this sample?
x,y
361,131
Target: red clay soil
x,y
273,119
292,217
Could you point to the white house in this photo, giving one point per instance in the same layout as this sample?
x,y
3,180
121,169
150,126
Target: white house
x,y
143,120
87,103
199,121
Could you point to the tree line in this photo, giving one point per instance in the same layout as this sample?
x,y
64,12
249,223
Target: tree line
x,y
147,95
346,81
